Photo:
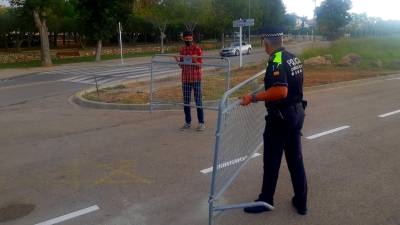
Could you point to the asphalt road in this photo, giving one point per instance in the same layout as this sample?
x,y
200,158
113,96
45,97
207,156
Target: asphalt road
x,y
129,168
139,169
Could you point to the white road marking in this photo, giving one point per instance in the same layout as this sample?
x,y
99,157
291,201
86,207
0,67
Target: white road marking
x,y
79,79
230,163
105,80
70,216
116,71
106,75
70,78
327,132
389,114
396,78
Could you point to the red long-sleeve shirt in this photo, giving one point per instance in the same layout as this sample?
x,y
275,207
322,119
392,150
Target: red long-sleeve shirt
x,y
191,73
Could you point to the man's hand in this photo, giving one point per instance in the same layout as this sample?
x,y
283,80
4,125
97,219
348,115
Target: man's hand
x,y
246,100
177,58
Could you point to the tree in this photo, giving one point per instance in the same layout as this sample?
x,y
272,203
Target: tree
x,y
290,22
159,15
332,17
65,21
190,13
21,27
40,10
225,12
99,19
5,25
273,12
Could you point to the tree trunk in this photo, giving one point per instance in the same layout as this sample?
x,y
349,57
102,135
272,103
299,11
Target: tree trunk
x,y
223,40
64,39
98,50
190,26
4,39
44,39
19,44
162,36
19,38
30,37
81,40
55,35
162,43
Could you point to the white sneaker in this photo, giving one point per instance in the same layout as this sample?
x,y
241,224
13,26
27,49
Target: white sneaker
x,y
201,127
186,126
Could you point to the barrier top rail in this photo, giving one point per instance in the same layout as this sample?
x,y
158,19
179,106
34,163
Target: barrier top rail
x,y
227,61
228,93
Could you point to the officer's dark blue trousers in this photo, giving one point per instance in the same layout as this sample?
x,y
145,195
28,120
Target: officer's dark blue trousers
x,y
187,88
283,134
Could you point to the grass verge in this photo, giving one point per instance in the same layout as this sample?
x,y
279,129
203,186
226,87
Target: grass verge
x,y
37,63
381,52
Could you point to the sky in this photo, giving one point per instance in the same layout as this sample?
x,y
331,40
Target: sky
x,y
385,9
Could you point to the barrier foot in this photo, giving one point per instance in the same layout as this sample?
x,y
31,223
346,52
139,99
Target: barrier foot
x,y
243,205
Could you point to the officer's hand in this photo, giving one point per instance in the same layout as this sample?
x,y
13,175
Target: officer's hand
x,y
246,100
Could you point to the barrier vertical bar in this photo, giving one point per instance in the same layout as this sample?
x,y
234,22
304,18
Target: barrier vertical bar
x,y
216,153
228,79
151,85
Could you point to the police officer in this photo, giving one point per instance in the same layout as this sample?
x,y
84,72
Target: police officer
x,y
283,97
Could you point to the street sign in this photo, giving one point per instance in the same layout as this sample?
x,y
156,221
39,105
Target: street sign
x,y
243,23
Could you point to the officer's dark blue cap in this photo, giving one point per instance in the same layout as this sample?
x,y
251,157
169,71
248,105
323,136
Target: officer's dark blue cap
x,y
271,31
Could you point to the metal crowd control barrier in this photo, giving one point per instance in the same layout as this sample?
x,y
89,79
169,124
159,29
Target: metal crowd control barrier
x,y
178,80
238,138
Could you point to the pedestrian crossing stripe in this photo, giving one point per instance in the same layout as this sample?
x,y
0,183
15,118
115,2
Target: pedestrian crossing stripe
x,y
116,75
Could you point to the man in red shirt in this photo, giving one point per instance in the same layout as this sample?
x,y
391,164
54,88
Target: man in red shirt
x,y
190,62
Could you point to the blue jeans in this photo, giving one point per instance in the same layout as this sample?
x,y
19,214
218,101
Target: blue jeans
x,y
187,88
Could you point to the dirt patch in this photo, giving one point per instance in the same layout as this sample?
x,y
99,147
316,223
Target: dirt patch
x,y
15,211
169,89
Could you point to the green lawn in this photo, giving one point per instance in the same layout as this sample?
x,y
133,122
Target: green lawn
x,y
36,63
383,49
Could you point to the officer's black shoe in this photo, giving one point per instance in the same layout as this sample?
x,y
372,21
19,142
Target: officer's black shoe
x,y
256,209
302,210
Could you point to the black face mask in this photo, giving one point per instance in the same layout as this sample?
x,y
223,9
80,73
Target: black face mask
x,y
188,43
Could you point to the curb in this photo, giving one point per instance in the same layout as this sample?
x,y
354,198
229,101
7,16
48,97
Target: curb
x,y
78,99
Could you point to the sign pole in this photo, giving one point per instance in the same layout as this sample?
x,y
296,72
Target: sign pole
x,y
120,41
240,47
249,26
242,23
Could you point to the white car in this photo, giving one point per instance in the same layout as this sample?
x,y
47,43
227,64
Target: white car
x,y
234,49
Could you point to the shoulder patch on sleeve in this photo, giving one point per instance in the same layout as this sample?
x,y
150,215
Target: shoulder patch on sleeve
x,y
278,58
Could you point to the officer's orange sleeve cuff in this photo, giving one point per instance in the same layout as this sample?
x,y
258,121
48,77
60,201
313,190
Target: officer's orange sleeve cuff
x,y
273,94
